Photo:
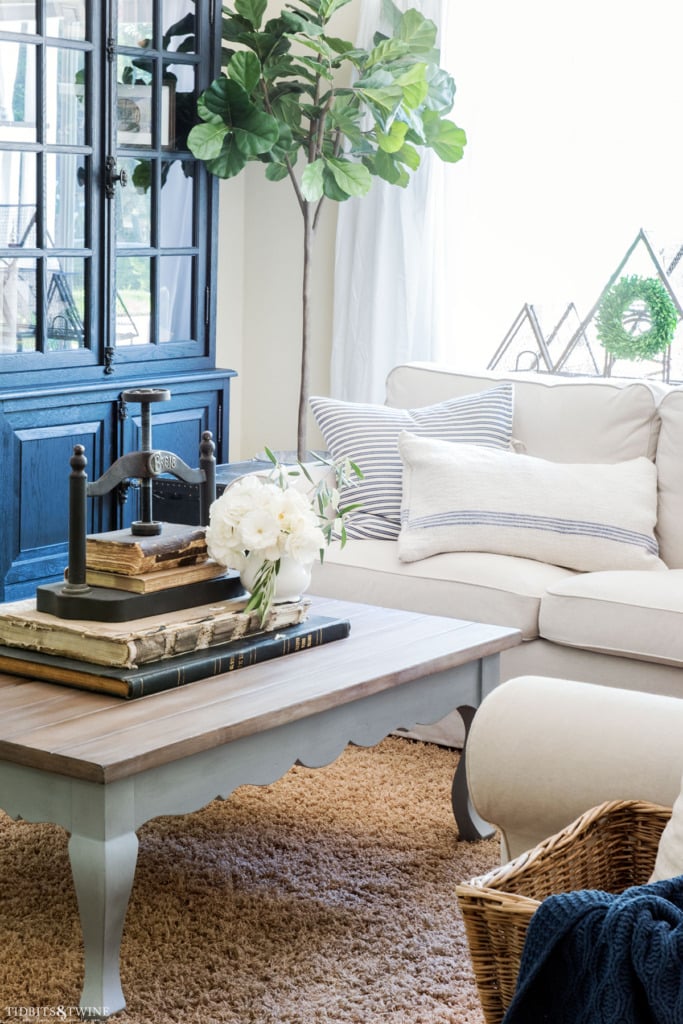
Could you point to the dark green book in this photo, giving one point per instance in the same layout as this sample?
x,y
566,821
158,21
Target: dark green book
x,y
173,672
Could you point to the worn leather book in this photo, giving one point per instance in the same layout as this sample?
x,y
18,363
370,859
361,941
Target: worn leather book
x,y
160,579
139,641
178,671
123,552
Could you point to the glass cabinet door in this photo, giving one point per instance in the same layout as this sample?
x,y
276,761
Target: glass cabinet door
x,y
158,276
47,135
105,259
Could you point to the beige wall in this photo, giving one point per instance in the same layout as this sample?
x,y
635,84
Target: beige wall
x,y
259,300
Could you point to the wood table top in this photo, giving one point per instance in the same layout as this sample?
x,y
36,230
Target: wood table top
x,y
101,738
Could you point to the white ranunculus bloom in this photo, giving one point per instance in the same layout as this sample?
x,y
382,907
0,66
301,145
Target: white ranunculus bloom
x,y
305,546
260,528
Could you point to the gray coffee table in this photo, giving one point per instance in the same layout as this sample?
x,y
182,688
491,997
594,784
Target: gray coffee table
x,y
101,767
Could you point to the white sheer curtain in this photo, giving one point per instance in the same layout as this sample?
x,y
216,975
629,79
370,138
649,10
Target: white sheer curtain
x,y
389,253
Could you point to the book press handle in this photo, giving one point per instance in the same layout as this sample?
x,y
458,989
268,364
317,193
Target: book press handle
x,y
75,598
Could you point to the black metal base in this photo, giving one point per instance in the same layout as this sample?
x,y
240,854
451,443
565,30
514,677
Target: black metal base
x,y
102,604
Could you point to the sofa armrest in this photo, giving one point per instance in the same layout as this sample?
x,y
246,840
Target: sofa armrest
x,y
542,751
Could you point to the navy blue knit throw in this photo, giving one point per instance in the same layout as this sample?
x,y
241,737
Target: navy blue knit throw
x,y
593,957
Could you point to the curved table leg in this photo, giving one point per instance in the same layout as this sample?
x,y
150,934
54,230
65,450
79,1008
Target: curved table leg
x,y
470,825
103,872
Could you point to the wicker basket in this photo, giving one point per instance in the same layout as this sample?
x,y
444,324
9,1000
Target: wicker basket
x,y
610,847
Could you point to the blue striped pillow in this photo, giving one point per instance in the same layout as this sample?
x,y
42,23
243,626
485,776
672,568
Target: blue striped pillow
x,y
368,434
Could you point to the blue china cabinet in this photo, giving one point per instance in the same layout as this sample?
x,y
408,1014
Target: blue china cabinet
x,y
107,257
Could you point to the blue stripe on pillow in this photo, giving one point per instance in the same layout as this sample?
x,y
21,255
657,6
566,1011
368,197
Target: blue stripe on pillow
x,y
552,524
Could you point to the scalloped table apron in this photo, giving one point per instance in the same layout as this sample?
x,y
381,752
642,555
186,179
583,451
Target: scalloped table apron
x,y
101,767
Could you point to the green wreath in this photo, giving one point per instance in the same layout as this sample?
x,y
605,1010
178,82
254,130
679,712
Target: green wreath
x,y
660,311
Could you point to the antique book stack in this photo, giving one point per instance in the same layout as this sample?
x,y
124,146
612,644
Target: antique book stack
x,y
145,655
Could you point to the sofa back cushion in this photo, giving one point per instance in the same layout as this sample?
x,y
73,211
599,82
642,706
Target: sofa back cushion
x,y
670,479
555,418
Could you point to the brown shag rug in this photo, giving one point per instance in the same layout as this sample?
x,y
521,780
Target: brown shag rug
x,y
326,897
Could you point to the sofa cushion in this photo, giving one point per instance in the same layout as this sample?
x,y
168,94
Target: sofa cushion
x,y
554,417
461,497
634,614
498,589
368,435
670,479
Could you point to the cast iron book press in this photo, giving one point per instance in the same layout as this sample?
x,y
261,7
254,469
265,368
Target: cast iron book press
x,y
74,598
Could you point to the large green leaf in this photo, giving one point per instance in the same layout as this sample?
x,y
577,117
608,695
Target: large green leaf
x,y
233,28
251,10
377,79
311,110
286,108
328,7
278,67
316,68
245,69
352,178
284,145
255,131
331,188
409,156
392,141
386,101
413,118
388,50
385,166
444,137
414,85
390,15
298,24
230,160
276,171
312,181
340,46
441,89
321,47
264,44
288,67
344,114
206,140
419,32
205,113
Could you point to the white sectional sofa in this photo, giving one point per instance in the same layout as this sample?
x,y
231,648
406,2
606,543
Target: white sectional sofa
x,y
620,627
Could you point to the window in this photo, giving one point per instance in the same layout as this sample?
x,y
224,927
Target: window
x,y
574,146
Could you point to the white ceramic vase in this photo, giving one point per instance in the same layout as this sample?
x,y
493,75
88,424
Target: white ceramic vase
x,y
292,580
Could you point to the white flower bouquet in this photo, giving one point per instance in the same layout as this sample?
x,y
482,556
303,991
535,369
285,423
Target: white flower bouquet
x,y
262,519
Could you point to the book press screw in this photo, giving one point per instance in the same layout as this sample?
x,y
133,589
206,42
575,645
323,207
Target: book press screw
x,y
144,465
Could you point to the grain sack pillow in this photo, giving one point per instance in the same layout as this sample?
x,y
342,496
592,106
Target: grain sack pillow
x,y
368,435
588,517
669,860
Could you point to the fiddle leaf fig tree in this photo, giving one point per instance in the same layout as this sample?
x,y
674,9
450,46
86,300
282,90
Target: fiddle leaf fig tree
x,y
324,113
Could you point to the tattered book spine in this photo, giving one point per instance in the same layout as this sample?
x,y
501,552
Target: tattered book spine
x,y
119,551
142,641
